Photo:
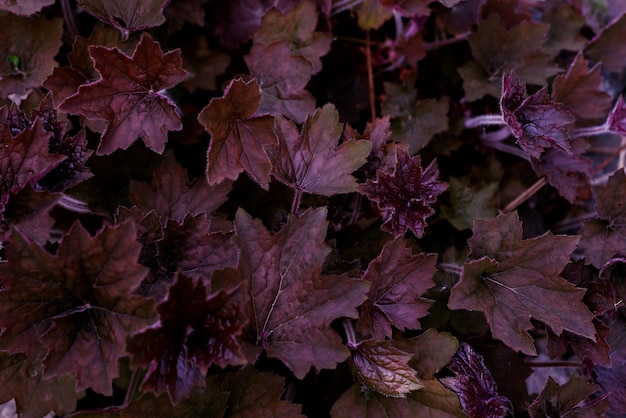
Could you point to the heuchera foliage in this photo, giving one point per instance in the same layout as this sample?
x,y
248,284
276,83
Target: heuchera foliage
x,y
312,208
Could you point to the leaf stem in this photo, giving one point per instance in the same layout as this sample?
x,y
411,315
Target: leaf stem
x,y
451,268
545,364
592,131
68,17
350,334
133,385
445,42
342,5
484,120
297,197
509,149
525,195
370,76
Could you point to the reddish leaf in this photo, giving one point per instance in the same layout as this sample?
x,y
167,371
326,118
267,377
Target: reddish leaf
x,y
589,351
603,237
76,307
254,395
405,194
24,7
511,280
28,212
28,46
291,302
536,122
24,158
562,400
282,78
35,396
172,196
237,137
398,280
384,368
580,90
297,28
128,96
127,15
607,46
474,385
195,331
311,161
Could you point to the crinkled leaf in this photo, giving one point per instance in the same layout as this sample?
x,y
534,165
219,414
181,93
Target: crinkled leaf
x,y
237,137
469,201
77,305
398,280
517,48
172,195
384,368
282,78
405,194
536,122
24,158
128,96
616,121
569,173
414,122
297,28
292,304
28,212
254,395
311,161
35,396
580,90
31,43
474,385
604,237
511,280
127,15
195,331
561,400
608,46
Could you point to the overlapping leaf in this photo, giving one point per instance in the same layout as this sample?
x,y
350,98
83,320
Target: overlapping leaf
x,y
282,78
127,16
25,7
238,137
74,308
511,280
563,400
405,194
195,331
398,280
128,96
291,303
311,161
28,212
607,46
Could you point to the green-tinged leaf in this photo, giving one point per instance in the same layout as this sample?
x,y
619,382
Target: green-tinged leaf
x,y
372,14
311,161
566,24
512,280
470,202
384,368
431,351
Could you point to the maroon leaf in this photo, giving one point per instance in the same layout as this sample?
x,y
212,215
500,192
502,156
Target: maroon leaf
x,y
589,351
24,7
536,122
297,28
178,12
237,137
172,196
28,46
398,280
602,238
127,15
607,46
24,158
562,400
28,212
195,330
74,308
35,396
405,194
291,302
511,280
474,385
384,368
128,96
311,161
282,78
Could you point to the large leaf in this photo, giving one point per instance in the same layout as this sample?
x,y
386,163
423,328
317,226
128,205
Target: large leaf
x,y
311,161
511,279
74,308
607,46
195,331
127,15
237,136
128,96
398,280
292,304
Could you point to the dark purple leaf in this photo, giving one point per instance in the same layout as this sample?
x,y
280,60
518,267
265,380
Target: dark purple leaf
x,y
563,400
127,15
607,46
616,121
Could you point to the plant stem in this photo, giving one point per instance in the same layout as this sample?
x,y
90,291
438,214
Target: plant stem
x,y
350,334
484,120
451,268
68,17
133,385
342,5
544,364
525,195
370,77
297,197
445,42
509,149
591,131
